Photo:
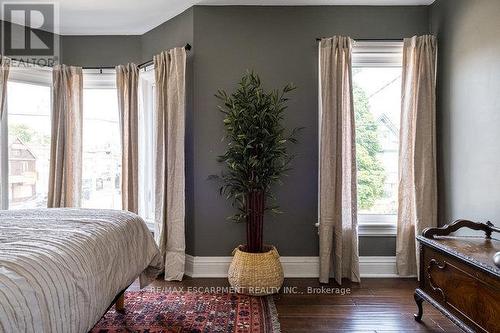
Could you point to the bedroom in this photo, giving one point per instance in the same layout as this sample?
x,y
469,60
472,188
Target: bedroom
x,y
111,105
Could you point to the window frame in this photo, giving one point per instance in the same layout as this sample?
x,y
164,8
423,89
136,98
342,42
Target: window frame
x,y
146,155
99,79
377,54
38,76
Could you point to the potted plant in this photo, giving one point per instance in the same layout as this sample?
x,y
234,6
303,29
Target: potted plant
x,y
256,158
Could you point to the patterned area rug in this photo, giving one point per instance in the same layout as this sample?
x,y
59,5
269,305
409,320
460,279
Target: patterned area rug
x,y
183,312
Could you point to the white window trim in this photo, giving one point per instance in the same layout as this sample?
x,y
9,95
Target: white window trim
x,y
4,163
146,97
371,225
94,79
377,54
31,75
40,76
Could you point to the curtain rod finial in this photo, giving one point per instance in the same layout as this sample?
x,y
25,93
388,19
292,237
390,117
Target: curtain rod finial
x,y
187,47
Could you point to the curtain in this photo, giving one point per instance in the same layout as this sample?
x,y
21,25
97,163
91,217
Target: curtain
x,y
4,76
65,176
417,205
338,232
170,77
127,80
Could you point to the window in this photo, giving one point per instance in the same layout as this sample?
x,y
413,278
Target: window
x,y
101,165
377,103
26,130
146,146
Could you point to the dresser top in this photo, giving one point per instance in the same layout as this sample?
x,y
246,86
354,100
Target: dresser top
x,y
478,251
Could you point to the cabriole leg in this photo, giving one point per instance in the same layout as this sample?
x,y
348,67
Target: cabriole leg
x,y
419,300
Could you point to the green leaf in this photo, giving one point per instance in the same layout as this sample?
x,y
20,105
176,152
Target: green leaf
x,y
256,156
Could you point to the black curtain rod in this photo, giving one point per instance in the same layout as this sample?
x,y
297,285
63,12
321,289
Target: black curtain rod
x,y
187,47
373,39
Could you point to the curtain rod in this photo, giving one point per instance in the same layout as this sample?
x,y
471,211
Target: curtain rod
x,y
372,39
187,47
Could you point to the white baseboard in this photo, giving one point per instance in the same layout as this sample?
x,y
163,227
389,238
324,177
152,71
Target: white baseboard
x,y
293,267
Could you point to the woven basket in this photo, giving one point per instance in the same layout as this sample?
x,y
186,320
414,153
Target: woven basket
x,y
256,274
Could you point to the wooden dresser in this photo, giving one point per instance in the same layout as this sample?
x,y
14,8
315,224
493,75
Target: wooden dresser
x,y
459,277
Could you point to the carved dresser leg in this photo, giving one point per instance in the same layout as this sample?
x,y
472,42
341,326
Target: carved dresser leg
x,y
418,300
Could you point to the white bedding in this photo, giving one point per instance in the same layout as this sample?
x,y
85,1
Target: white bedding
x,y
60,269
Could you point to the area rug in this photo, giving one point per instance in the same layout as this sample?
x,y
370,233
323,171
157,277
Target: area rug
x,y
191,312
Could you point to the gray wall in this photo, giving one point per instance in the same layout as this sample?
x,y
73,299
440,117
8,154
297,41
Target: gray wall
x,y
100,50
90,51
468,108
377,246
279,43
176,32
95,51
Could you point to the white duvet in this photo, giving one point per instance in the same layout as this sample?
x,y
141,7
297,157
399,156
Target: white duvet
x,y
60,269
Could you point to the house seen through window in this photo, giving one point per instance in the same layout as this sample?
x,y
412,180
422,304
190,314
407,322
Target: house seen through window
x,y
28,148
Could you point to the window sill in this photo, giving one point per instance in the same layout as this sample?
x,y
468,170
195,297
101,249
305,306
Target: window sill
x,y
377,229
375,225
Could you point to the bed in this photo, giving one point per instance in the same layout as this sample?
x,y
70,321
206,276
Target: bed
x,y
60,269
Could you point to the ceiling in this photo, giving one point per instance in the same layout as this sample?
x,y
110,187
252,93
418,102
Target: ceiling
x,y
133,17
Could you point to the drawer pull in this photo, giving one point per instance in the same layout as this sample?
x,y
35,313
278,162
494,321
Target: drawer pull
x,y
432,263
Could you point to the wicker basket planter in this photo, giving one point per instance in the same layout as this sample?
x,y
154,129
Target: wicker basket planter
x,y
256,274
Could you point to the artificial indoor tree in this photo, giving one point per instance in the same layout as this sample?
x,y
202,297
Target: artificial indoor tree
x,y
256,156
256,159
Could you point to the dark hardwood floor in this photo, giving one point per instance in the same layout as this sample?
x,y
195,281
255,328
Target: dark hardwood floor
x,y
376,305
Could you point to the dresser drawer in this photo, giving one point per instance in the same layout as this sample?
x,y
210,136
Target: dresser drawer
x,y
468,293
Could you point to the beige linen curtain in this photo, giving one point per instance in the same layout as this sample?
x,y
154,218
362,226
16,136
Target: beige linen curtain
x,y
417,206
127,81
4,76
338,231
170,77
65,185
